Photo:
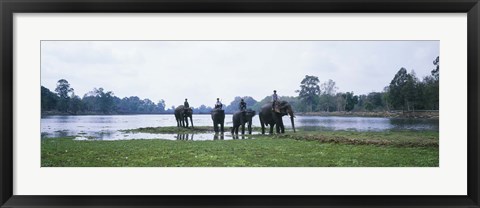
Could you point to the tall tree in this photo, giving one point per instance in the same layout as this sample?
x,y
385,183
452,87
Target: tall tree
x,y
350,101
63,90
161,106
75,104
309,91
327,96
436,71
104,100
48,99
404,90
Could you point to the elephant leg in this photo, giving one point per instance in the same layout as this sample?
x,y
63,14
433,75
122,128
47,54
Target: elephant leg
x,y
233,129
282,127
279,124
221,127
262,125
215,127
236,129
186,122
242,123
250,127
271,128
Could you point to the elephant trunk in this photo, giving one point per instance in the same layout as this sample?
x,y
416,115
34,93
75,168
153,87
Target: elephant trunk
x,y
293,123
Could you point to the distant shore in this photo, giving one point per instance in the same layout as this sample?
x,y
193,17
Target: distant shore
x,y
387,114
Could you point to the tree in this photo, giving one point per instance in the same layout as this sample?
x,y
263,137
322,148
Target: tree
x,y
374,101
410,91
329,88
104,100
161,106
327,97
404,90
432,83
309,91
63,90
341,102
436,72
350,101
48,99
75,104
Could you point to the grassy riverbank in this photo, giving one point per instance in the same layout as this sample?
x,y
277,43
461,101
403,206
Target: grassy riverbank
x,y
301,149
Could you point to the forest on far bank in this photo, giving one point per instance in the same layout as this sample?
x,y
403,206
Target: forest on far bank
x,y
405,92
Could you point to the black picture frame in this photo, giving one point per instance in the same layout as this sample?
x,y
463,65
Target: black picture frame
x,y
9,7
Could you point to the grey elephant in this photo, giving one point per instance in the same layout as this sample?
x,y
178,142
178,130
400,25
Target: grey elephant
x,y
274,117
182,114
218,118
239,118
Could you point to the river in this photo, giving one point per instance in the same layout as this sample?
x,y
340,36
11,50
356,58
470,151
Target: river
x,y
106,127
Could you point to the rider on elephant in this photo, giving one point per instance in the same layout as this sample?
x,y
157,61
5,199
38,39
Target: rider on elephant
x,y
242,105
274,99
185,104
218,104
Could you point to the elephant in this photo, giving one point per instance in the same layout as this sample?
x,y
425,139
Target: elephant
x,y
242,117
218,117
269,117
182,114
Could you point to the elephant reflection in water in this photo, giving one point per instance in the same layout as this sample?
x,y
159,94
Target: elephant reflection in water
x,y
185,136
217,136
236,136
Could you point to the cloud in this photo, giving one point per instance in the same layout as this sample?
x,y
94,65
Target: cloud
x,y
205,70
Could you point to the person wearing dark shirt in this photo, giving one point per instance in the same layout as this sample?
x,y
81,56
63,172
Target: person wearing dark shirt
x,y
274,99
242,105
218,104
185,104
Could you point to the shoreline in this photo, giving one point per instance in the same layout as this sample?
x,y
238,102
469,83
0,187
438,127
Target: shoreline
x,y
382,114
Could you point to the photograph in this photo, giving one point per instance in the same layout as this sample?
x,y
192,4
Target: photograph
x,y
274,103
239,103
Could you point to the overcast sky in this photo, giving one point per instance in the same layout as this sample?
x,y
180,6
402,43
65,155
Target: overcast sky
x,y
204,70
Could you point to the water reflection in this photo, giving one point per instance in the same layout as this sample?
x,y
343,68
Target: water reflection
x,y
414,124
241,136
218,136
107,127
185,136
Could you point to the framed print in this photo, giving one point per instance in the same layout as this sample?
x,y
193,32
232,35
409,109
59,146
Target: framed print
x,y
246,104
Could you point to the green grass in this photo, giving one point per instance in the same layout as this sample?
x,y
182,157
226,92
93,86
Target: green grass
x,y
388,138
301,149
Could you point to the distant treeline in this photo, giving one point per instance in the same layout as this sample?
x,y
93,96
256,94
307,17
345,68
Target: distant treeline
x,y
405,92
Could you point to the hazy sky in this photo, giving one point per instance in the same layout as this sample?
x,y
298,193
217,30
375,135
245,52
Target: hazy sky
x,y
204,70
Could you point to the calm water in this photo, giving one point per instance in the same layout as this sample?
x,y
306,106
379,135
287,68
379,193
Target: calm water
x,y
107,127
